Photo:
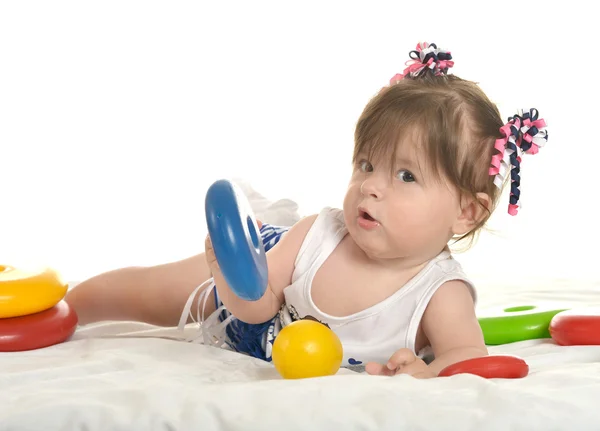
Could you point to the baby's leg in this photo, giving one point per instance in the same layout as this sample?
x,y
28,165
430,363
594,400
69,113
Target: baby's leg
x,y
155,295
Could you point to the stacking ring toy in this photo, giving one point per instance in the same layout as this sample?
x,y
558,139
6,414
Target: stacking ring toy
x,y
489,367
577,327
513,324
38,330
236,242
24,292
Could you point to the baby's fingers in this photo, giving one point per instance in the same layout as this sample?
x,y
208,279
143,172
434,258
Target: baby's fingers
x,y
375,369
211,259
401,358
417,369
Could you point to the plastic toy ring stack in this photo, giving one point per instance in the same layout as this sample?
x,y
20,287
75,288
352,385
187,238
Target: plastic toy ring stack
x,y
32,311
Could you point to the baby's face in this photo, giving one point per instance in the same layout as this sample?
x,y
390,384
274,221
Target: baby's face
x,y
411,213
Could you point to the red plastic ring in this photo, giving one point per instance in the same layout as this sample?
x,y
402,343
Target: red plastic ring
x,y
576,327
38,330
489,367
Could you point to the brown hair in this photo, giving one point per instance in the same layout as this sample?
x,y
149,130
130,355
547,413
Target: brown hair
x,y
456,124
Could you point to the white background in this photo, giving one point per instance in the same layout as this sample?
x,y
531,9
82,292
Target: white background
x,y
116,116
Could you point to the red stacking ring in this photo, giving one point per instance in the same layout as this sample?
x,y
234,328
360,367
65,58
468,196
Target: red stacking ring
x,y
38,330
576,327
489,367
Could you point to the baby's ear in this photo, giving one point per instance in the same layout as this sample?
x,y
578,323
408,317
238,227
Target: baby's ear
x,y
472,211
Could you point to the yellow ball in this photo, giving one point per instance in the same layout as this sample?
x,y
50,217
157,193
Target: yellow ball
x,y
306,348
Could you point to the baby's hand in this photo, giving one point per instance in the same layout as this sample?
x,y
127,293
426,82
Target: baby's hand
x,y
211,259
404,361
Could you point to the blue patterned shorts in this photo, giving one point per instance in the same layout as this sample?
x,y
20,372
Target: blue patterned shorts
x,y
250,338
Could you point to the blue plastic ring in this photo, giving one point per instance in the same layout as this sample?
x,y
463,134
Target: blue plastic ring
x,y
236,240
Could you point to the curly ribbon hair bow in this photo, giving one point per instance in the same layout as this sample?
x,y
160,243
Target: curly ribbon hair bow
x,y
426,56
523,133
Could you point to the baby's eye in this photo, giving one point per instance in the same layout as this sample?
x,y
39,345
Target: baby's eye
x,y
405,176
365,166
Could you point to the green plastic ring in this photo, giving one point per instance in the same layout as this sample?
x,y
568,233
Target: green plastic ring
x,y
523,322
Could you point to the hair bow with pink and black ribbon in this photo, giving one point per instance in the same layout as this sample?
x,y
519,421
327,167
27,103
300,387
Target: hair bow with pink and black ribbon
x,y
426,56
524,133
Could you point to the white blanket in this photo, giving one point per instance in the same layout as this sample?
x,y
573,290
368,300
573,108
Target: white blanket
x,y
130,376
126,377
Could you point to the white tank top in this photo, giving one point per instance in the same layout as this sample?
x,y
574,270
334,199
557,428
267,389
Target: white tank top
x,y
375,333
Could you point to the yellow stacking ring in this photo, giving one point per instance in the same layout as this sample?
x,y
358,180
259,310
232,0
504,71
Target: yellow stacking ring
x,y
27,292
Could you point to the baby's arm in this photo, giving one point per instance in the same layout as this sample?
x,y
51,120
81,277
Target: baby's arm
x,y
280,261
451,326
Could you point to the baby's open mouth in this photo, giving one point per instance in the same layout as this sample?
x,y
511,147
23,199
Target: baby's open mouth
x,y
366,220
367,216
